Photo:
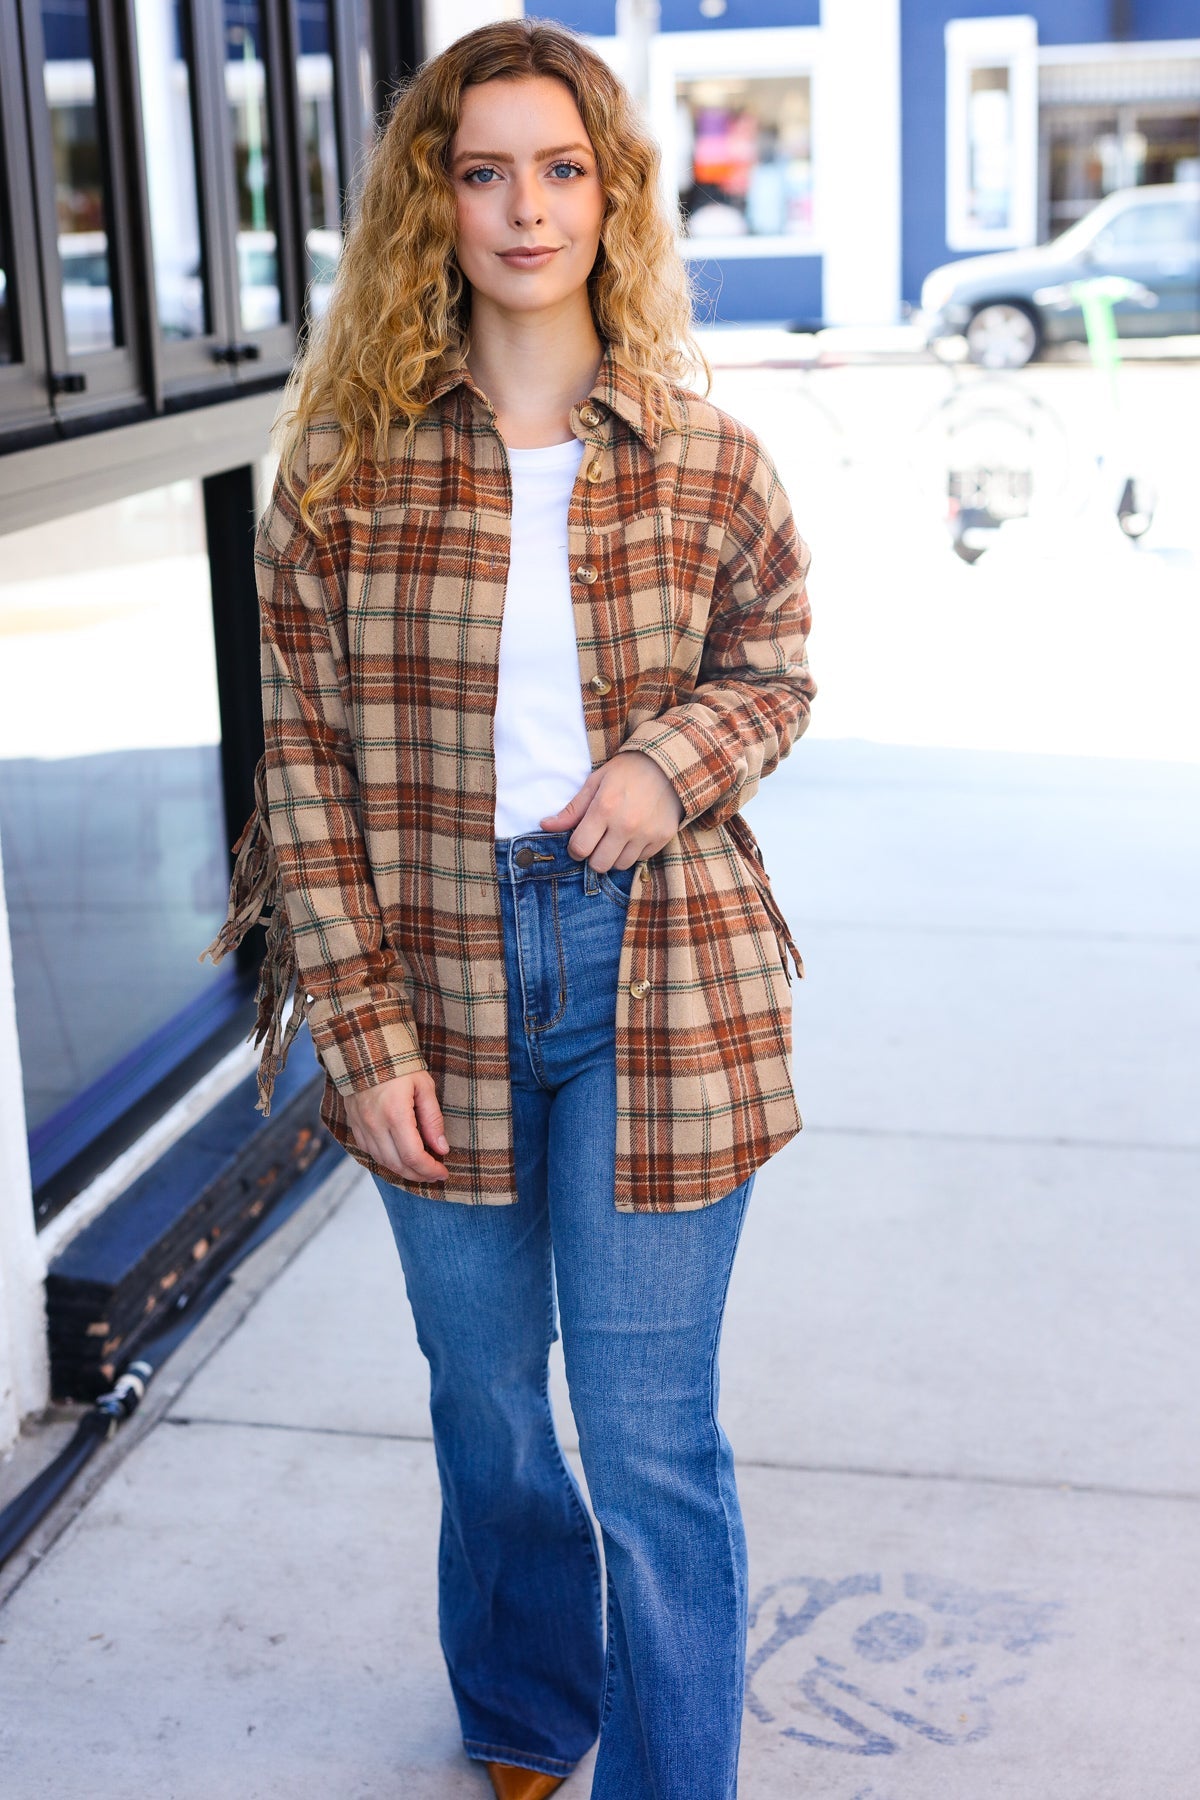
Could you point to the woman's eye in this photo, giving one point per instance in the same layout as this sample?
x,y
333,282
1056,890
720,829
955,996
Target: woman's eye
x,y
483,169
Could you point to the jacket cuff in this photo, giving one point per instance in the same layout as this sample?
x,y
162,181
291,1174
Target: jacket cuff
x,y
364,1040
698,767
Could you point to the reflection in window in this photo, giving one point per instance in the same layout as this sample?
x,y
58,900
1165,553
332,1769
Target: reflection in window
x,y
80,185
989,195
246,92
8,333
111,817
1165,225
745,156
179,273
366,68
314,75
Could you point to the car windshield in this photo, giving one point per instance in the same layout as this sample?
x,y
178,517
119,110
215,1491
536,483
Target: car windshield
x,y
1077,236
1143,224
1150,226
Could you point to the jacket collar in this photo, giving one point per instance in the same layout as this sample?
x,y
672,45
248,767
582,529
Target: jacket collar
x,y
617,387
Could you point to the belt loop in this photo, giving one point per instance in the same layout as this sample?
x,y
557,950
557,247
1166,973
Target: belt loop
x,y
591,881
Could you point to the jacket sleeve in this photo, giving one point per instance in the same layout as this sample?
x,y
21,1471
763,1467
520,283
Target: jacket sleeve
x,y
754,690
358,1005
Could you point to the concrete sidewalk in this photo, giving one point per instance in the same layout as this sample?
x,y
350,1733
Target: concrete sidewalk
x,y
960,1368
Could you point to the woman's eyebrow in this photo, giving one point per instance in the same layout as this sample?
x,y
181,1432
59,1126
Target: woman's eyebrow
x,y
503,156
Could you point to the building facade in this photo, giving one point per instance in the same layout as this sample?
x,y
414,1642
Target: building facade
x,y
826,154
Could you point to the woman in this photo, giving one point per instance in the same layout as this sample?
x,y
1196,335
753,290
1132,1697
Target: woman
x,y
533,629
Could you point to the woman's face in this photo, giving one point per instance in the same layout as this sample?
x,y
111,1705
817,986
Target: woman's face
x,y
524,174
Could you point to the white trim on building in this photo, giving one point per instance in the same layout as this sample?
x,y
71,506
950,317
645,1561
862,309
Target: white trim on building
x,y
859,171
773,52
991,133
856,223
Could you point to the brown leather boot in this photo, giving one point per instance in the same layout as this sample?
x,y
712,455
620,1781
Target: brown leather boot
x,y
514,1783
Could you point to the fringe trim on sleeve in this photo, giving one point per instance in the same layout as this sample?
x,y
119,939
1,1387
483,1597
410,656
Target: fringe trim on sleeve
x,y
744,838
254,887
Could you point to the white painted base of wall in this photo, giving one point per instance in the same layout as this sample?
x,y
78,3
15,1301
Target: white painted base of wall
x,y
24,1362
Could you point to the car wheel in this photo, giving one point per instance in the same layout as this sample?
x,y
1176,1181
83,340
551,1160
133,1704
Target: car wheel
x,y
1003,335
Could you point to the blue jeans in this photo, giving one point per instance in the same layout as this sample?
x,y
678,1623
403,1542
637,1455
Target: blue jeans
x,y
640,1297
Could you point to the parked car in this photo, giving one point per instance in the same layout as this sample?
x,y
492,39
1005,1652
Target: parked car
x,y
1151,235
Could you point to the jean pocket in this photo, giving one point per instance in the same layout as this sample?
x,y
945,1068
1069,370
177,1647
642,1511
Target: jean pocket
x,y
617,884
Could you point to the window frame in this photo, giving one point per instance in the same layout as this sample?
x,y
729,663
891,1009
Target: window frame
x,y
1008,42
24,392
773,52
114,376
149,375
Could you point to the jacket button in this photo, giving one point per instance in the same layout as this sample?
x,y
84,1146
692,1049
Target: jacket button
x,y
588,415
595,469
645,871
587,572
639,989
601,684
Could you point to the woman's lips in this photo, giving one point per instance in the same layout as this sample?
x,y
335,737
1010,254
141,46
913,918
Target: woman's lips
x,y
526,259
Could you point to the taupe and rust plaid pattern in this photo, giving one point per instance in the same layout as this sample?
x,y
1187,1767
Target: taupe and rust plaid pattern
x,y
380,646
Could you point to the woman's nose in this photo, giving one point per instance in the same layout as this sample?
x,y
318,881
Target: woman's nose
x,y
526,205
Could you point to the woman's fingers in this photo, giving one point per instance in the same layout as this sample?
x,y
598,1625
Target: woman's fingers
x,y
569,815
429,1116
385,1124
633,811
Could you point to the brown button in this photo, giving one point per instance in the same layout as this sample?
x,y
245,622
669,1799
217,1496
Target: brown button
x,y
587,572
588,415
639,989
601,683
645,871
523,856
595,469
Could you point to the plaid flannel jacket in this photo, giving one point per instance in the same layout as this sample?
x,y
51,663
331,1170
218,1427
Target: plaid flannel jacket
x,y
372,838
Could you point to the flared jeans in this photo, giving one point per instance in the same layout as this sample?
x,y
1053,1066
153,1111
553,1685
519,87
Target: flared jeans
x,y
540,1658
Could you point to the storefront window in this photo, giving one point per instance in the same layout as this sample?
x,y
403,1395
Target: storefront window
x,y
365,54
180,276
111,812
250,123
744,149
80,178
989,197
314,73
8,348
991,132
1092,150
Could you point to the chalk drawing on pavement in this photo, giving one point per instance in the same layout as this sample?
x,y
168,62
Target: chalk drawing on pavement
x,y
867,1668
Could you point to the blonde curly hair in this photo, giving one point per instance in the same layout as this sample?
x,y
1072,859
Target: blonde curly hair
x,y
399,301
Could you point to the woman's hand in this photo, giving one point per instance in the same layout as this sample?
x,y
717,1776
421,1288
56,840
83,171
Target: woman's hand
x,y
625,810
390,1121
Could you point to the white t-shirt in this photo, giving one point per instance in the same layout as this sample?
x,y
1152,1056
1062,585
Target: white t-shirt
x,y
541,747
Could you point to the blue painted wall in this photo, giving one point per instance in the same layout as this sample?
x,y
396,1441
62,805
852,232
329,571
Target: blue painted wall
x,y
786,288
923,97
